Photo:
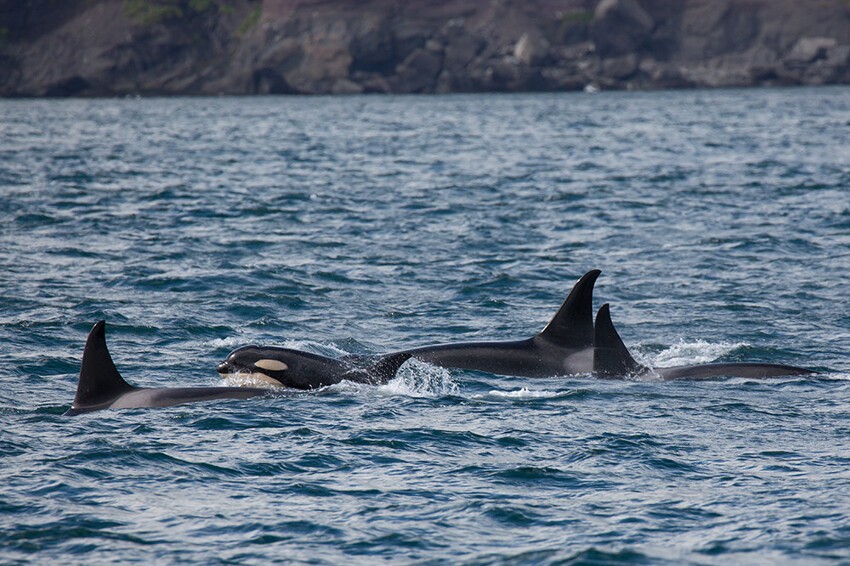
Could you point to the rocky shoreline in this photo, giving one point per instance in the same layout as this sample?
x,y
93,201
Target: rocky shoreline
x,y
238,47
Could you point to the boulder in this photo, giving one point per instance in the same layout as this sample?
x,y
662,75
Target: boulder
x,y
831,67
562,79
418,72
665,75
838,63
268,81
461,45
281,54
838,58
346,86
408,35
445,83
620,67
326,57
620,27
372,46
807,49
531,50
434,46
507,74
372,82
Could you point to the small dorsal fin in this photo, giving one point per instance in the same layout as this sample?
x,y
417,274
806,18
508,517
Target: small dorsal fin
x,y
610,356
572,325
100,381
385,368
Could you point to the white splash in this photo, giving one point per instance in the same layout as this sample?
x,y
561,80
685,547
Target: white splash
x,y
229,342
524,393
688,353
250,380
414,379
418,379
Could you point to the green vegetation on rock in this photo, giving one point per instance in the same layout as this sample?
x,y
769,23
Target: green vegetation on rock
x,y
576,18
148,12
156,11
250,21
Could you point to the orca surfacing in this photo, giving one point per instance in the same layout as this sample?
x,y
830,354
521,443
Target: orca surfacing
x,y
101,386
303,370
570,344
612,360
563,347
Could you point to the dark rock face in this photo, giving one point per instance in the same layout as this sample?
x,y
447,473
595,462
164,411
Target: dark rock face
x,y
620,27
418,72
118,47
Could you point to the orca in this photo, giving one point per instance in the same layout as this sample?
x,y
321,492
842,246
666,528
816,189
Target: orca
x,y
101,386
563,347
304,370
612,360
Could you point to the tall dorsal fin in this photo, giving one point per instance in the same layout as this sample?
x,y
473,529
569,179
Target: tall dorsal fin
x,y
610,356
572,325
386,367
100,381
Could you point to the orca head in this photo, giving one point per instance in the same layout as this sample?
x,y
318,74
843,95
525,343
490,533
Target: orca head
x,y
266,364
304,370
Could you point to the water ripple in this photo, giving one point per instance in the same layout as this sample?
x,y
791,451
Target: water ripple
x,y
359,225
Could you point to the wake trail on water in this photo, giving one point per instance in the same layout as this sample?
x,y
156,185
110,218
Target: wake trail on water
x,y
523,393
687,353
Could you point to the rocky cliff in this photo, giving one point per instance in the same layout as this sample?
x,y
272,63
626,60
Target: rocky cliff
x,y
118,47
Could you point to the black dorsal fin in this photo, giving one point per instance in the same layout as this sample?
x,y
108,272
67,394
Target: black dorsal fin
x,y
611,358
572,325
385,368
100,381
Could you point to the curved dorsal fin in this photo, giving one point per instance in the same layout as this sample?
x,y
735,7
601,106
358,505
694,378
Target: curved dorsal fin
x,y
611,358
572,325
100,381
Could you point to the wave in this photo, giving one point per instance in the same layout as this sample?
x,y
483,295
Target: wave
x,y
688,353
523,393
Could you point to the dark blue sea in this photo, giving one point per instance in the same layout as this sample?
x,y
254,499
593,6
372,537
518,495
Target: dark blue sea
x,y
720,221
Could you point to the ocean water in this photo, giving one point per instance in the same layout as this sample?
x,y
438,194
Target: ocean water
x,y
720,220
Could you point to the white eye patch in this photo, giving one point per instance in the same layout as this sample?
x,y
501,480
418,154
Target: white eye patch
x,y
271,365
